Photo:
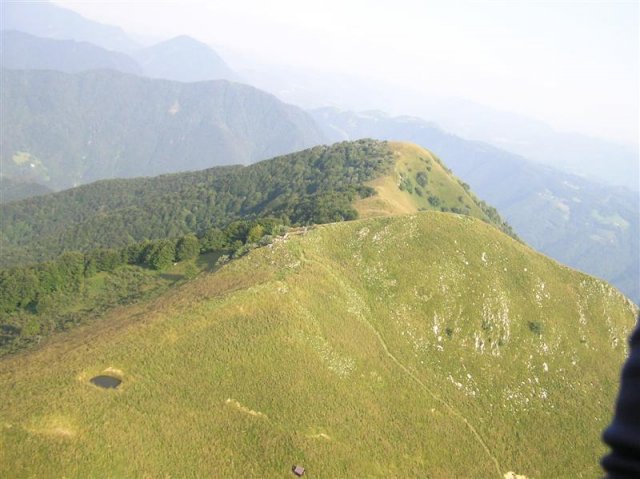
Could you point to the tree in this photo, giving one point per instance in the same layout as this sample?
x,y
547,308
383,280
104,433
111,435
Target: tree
x,y
106,259
134,253
237,231
160,254
255,233
18,288
422,179
71,268
187,247
213,240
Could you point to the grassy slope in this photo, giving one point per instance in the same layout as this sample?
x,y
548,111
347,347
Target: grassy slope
x,y
428,345
98,295
555,212
409,160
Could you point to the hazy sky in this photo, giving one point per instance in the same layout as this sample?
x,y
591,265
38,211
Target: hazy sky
x,y
572,64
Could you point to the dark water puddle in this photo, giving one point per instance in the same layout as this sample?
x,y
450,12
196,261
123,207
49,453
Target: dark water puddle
x,y
107,382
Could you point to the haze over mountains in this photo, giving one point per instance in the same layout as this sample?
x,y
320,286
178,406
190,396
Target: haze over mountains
x,y
369,347
595,159
183,59
589,226
583,224
353,305
63,130
45,19
21,51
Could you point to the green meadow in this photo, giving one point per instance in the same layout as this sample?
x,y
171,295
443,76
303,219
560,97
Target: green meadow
x,y
425,345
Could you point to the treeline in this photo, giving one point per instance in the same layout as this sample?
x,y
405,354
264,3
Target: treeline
x,y
29,294
26,287
317,185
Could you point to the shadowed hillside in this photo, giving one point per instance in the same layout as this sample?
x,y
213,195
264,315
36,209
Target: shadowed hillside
x,y
64,130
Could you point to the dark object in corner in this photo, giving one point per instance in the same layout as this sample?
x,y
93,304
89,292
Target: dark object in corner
x,y
623,435
298,470
107,382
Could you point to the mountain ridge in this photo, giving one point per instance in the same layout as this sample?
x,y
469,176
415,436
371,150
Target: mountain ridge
x,y
316,185
185,59
44,19
67,129
414,346
589,226
21,51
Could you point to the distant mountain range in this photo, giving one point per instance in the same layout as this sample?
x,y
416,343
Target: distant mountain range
x,y
41,35
63,130
582,223
592,158
586,225
183,59
45,19
596,159
180,59
22,51
14,190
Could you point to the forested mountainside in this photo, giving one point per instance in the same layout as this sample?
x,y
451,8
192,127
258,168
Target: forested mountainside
x,y
588,226
108,243
317,185
62,130
14,190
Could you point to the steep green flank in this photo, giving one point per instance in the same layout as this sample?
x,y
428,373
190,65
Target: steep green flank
x,y
420,181
429,345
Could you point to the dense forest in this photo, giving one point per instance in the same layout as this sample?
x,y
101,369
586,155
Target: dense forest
x,y
317,185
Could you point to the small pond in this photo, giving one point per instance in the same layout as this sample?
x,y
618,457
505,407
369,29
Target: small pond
x,y
107,382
